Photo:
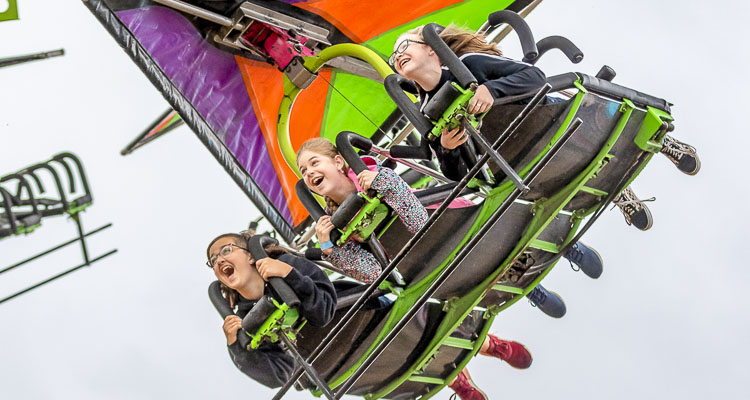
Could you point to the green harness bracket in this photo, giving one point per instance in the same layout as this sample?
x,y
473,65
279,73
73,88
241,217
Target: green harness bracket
x,y
283,319
453,115
650,135
365,222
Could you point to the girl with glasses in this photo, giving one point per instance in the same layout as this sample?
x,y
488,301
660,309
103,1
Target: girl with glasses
x,y
243,283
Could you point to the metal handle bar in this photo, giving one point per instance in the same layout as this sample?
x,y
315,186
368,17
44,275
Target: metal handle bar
x,y
528,45
257,247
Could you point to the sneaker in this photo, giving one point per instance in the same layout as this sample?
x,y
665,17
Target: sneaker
x,y
682,155
513,353
465,388
549,302
587,259
636,213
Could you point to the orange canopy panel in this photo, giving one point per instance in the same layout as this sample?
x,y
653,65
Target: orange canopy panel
x,y
265,88
361,21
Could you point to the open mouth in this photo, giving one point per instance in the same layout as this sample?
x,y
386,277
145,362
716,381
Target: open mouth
x,y
403,62
317,180
227,270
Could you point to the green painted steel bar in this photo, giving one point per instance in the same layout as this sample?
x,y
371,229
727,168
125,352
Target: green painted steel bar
x,y
507,289
574,107
426,379
314,64
593,191
490,317
458,343
543,245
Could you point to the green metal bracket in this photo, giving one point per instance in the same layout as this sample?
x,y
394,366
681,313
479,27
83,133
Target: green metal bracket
x,y
426,379
651,134
592,191
459,343
452,115
365,222
543,245
280,320
506,289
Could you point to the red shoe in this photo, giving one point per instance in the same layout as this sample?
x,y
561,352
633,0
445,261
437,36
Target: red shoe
x,y
513,353
465,388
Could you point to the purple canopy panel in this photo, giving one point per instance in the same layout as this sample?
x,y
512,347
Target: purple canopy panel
x,y
218,93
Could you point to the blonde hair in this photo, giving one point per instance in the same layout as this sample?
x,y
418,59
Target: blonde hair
x,y
461,40
323,147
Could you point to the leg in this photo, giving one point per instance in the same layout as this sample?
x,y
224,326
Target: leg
x,y
465,388
636,213
514,353
549,302
587,259
682,155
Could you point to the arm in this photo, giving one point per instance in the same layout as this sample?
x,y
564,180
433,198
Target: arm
x,y
397,194
503,76
267,365
357,262
313,288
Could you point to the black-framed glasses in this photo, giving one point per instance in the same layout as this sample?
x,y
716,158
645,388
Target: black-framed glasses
x,y
400,49
224,251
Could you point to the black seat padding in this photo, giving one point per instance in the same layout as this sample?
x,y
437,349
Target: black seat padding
x,y
606,88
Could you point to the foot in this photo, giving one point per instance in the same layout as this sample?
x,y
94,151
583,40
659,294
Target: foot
x,y
636,213
587,259
513,353
465,388
682,155
549,302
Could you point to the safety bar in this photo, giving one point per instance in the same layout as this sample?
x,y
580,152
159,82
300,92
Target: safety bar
x,y
346,141
574,54
19,201
221,305
528,45
81,173
8,205
393,86
58,183
431,36
312,206
256,245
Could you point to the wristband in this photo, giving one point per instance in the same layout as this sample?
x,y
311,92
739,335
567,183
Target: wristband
x,y
326,245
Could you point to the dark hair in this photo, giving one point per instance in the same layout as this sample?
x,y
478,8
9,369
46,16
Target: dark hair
x,y
240,239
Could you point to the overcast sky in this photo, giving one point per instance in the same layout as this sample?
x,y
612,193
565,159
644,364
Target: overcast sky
x,y
667,319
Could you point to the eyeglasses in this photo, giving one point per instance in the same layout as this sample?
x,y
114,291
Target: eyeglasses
x,y
224,251
401,49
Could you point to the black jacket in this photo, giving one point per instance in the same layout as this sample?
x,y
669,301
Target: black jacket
x,y
268,364
503,77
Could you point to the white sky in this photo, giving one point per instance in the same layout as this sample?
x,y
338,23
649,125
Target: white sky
x,y
666,320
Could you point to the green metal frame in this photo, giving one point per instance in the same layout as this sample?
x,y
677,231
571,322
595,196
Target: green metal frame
x,y
545,210
314,64
367,220
281,320
457,111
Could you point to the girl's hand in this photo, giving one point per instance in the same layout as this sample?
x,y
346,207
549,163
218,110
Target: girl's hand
x,y
482,100
232,324
454,138
269,267
365,179
323,228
